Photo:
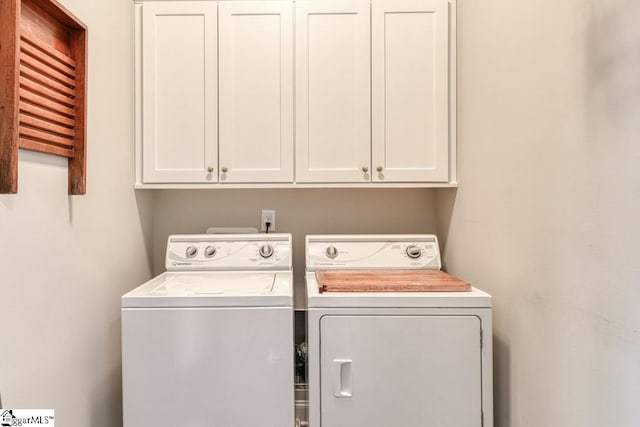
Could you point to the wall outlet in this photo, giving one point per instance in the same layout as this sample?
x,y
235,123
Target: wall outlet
x,y
270,217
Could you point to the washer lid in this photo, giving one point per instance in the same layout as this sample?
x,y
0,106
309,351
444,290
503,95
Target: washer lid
x,y
184,284
213,289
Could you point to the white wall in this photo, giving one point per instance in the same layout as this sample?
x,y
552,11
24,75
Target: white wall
x,y
546,217
65,261
300,212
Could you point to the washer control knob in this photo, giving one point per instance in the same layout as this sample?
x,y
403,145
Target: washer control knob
x,y
191,251
210,251
414,251
331,252
266,251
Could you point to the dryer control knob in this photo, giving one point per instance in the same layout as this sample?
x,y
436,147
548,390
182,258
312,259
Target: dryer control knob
x,y
331,252
414,251
191,251
266,251
210,251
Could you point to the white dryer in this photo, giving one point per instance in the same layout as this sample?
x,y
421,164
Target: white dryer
x,y
210,341
380,359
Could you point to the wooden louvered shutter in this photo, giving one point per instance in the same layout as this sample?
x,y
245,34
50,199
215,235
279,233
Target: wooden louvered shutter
x,y
43,82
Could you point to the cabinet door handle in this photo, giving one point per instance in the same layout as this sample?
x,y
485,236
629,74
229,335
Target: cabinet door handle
x,y
224,170
379,168
209,169
342,378
365,169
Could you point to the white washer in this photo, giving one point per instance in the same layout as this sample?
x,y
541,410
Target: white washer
x,y
210,341
399,358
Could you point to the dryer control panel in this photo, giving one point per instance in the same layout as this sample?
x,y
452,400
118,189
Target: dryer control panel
x,y
411,251
228,252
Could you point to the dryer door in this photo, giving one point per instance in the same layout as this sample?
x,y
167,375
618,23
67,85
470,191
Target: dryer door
x,y
380,371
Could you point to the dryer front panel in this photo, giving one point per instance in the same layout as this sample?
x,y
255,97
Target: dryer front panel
x,y
403,370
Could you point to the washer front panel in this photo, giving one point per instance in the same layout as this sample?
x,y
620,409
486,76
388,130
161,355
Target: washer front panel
x,y
207,367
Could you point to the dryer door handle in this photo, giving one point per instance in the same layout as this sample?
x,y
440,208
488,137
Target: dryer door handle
x,y
342,378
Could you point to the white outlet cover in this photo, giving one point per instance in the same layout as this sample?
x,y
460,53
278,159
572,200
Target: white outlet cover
x,y
268,215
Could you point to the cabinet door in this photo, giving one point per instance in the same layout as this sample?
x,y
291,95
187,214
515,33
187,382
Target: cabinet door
x,y
381,371
410,89
179,87
256,91
333,118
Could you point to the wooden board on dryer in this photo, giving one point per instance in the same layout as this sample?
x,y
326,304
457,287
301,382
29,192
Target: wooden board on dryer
x,y
389,281
43,52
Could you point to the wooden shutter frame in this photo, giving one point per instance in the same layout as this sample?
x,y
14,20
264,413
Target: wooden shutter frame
x,y
29,125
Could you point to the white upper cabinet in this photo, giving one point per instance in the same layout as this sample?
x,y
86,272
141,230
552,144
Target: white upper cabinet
x,y
256,91
283,93
333,125
179,84
410,90
190,132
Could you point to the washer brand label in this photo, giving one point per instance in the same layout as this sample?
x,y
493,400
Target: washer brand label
x,y
177,263
27,417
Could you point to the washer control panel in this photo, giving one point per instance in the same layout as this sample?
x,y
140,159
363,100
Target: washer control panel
x,y
229,252
372,252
